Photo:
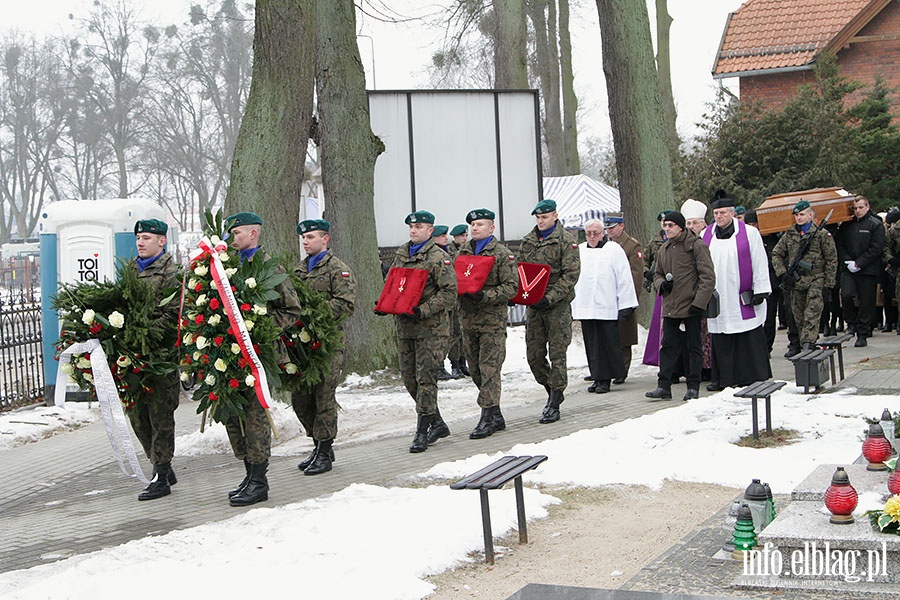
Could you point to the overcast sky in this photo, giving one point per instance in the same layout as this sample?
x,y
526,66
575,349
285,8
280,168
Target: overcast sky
x,y
402,51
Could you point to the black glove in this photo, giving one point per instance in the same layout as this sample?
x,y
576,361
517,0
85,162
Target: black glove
x,y
759,298
895,262
415,315
648,275
510,303
694,311
666,286
625,314
378,312
542,304
475,296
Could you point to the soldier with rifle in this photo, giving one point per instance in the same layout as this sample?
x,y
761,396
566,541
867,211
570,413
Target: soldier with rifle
x,y
805,260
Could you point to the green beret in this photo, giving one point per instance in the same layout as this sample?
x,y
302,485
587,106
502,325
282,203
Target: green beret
x,y
242,218
420,216
313,225
544,206
800,206
440,230
662,214
151,226
459,230
483,213
740,210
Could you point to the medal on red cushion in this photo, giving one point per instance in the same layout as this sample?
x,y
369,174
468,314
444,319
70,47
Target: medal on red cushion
x,y
533,280
471,272
402,291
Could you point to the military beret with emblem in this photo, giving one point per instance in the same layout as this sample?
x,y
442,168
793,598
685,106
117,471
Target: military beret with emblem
x,y
480,213
420,216
242,218
459,230
151,226
800,206
740,210
662,214
313,225
440,230
544,206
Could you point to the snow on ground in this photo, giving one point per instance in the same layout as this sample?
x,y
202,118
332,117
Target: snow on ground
x,y
32,424
367,541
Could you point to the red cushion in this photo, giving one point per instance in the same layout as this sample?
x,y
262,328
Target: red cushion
x,y
402,291
533,280
471,272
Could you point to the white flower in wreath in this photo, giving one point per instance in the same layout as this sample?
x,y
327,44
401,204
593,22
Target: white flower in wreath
x,y
192,284
216,240
250,282
188,339
260,310
304,336
223,256
89,378
185,376
230,272
235,349
220,365
201,270
196,356
201,300
213,284
214,320
117,319
210,380
88,317
248,325
67,368
123,361
83,363
290,368
250,380
202,342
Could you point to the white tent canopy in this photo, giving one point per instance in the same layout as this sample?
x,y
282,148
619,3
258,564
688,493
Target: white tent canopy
x,y
580,199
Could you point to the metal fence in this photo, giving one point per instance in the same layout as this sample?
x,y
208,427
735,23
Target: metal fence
x,y
21,358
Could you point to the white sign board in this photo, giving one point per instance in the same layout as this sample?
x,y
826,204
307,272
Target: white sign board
x,y
449,152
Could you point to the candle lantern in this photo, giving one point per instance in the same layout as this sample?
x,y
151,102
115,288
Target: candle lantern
x,y
841,498
887,425
730,520
771,503
893,482
876,449
755,498
744,537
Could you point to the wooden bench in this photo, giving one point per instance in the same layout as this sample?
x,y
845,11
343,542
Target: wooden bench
x,y
493,477
755,391
836,342
807,367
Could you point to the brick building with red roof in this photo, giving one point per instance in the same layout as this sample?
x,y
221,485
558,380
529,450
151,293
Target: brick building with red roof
x,y
772,46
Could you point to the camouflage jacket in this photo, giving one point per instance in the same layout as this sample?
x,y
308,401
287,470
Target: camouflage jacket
x,y
333,278
892,246
285,310
822,255
439,294
560,251
651,251
162,274
502,284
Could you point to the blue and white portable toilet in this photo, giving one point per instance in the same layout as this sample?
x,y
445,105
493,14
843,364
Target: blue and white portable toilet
x,y
80,242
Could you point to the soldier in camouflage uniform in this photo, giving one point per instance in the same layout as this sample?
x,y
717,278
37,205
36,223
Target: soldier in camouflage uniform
x,y
548,322
316,406
818,271
451,330
153,420
251,441
483,315
892,251
420,350
651,250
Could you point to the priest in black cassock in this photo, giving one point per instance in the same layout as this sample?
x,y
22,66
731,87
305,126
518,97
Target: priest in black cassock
x,y
740,353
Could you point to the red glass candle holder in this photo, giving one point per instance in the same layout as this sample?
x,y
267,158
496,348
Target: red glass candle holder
x,y
841,498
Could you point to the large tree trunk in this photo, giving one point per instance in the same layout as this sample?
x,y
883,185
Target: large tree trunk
x,y
548,71
642,157
664,67
347,153
510,66
569,100
270,152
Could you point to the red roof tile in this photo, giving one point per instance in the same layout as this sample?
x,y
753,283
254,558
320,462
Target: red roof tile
x,y
776,34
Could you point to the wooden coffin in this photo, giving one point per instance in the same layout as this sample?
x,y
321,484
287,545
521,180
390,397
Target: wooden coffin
x,y
775,213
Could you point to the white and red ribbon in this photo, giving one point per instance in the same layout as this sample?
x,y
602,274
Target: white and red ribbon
x,y
261,384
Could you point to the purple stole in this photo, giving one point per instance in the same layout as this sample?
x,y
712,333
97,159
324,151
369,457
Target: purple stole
x,y
745,263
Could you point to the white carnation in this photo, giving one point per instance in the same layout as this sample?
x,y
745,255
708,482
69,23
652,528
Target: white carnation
x,y
251,282
83,363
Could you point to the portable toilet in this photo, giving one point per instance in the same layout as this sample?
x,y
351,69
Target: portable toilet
x,y
80,242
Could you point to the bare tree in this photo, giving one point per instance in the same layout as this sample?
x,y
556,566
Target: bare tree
x,y
510,66
543,18
569,99
664,68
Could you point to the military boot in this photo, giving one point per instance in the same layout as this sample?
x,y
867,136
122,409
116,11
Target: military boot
x,y
485,426
257,488
243,483
322,461
499,421
438,428
464,367
551,411
455,371
171,478
441,374
420,441
159,485
312,456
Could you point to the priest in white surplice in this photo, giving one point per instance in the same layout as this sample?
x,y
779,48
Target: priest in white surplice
x,y
740,351
604,295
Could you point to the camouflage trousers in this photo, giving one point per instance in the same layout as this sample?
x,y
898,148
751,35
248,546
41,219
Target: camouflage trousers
x,y
456,351
153,421
317,407
806,306
252,439
486,351
419,359
548,334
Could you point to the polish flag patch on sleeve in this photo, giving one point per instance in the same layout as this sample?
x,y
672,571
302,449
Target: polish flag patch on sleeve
x,y
345,273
